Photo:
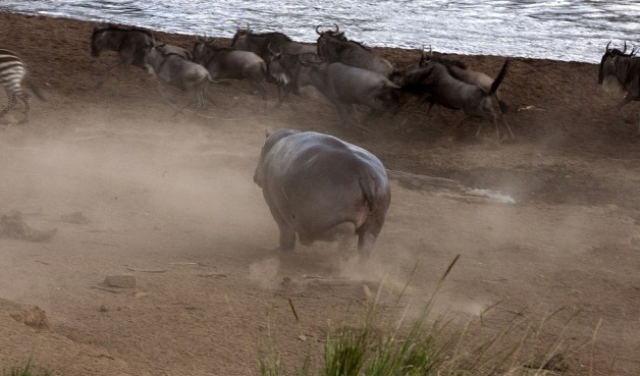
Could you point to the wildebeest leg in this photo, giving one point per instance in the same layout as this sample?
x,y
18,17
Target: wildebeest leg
x,y
263,93
11,101
372,115
282,94
108,71
621,105
495,123
341,112
506,124
24,97
354,113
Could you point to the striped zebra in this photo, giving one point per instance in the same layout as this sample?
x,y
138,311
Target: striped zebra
x,y
12,72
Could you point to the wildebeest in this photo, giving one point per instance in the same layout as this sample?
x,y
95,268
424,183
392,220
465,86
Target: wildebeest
x,y
288,71
445,90
624,70
247,40
130,44
227,63
13,72
333,47
175,50
179,72
346,86
459,70
323,189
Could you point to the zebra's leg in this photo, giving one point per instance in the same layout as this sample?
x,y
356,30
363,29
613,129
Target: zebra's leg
x,y
24,97
11,101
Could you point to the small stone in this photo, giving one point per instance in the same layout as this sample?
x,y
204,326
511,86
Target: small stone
x,y
33,317
103,308
302,338
125,281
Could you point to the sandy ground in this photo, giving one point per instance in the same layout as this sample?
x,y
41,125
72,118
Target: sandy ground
x,y
170,199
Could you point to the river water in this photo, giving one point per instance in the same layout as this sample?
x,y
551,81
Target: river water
x,y
574,30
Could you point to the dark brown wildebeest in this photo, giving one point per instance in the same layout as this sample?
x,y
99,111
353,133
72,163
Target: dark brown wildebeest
x,y
130,44
334,47
179,72
441,88
345,86
459,70
288,72
247,40
227,63
622,70
322,189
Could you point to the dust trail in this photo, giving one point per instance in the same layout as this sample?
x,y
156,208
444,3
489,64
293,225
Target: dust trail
x,y
265,273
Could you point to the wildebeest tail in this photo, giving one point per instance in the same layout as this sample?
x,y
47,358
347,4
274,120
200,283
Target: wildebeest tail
x,y
498,80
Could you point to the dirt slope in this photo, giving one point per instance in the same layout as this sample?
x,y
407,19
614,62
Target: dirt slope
x,y
132,189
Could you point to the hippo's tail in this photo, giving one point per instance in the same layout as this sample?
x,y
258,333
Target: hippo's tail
x,y
370,188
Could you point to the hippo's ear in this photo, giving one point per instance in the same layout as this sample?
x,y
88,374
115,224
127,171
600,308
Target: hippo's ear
x,y
267,133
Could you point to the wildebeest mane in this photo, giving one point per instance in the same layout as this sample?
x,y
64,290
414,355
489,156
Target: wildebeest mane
x,y
447,62
346,40
627,69
97,30
279,35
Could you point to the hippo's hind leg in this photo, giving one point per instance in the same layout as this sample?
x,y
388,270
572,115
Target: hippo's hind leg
x,y
287,238
366,241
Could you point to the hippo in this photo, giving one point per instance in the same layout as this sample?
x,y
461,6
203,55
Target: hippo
x,y
323,189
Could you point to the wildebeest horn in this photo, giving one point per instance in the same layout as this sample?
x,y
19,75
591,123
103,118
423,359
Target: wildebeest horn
x,y
317,31
625,47
606,49
337,28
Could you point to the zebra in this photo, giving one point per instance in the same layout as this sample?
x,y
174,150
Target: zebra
x,y
12,72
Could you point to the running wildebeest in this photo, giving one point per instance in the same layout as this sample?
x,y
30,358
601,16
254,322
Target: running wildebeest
x,y
445,90
622,69
227,63
345,86
288,71
175,50
247,40
179,72
13,72
333,47
459,70
323,189
130,44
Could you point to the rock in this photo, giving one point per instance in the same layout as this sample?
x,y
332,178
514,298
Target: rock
x,y
12,226
125,281
33,317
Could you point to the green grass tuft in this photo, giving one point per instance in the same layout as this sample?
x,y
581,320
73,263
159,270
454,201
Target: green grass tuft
x,y
26,370
423,348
